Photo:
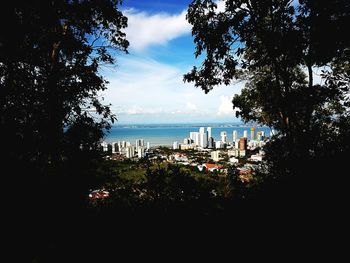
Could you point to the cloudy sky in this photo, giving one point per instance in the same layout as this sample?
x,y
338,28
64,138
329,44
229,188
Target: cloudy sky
x,y
147,85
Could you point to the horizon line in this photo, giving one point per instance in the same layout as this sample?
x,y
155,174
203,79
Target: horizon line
x,y
172,123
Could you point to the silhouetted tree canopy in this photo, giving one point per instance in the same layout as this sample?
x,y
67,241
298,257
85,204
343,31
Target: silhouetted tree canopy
x,y
174,191
50,56
277,47
51,116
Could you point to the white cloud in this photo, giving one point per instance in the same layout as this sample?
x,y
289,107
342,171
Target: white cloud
x,y
136,110
226,106
144,90
190,106
144,29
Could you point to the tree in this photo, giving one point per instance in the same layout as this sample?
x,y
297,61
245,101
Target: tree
x,y
276,46
51,117
50,59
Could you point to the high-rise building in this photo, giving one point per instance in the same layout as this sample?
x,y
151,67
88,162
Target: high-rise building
x,y
223,135
209,132
115,147
120,146
236,144
196,139
193,136
140,143
234,136
201,130
203,140
211,143
252,133
258,136
219,144
245,134
130,151
262,135
243,143
140,152
187,141
175,145
104,146
148,146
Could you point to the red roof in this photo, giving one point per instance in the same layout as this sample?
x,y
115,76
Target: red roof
x,y
99,194
212,165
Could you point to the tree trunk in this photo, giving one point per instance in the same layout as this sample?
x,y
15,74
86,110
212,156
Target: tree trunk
x,y
309,69
55,107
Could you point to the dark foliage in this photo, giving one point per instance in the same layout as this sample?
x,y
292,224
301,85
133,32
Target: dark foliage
x,y
276,47
51,118
173,192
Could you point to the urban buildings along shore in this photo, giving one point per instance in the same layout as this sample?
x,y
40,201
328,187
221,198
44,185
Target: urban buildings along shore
x,y
201,140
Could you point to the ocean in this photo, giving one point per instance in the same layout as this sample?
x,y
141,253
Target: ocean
x,y
166,134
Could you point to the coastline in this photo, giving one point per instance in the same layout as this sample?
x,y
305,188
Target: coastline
x,y
167,134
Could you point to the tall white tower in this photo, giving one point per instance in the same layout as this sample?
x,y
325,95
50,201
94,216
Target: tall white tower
x,y
140,152
175,145
234,136
223,135
252,133
209,132
114,147
203,140
193,136
245,134
130,151
138,143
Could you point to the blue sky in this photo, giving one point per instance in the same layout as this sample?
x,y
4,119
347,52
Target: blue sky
x,y
147,85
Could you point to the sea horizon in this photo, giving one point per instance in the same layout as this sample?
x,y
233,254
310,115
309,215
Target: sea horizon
x,y
165,134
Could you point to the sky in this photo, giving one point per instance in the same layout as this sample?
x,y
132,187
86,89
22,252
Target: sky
x,y
146,85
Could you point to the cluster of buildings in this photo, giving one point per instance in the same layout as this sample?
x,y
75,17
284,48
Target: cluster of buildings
x,y
234,148
203,139
126,149
231,147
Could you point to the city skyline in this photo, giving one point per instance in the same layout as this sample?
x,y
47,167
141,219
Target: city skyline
x,y
147,84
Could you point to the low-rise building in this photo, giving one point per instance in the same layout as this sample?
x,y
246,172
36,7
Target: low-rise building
x,y
180,158
256,158
233,152
186,146
215,155
233,160
242,153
